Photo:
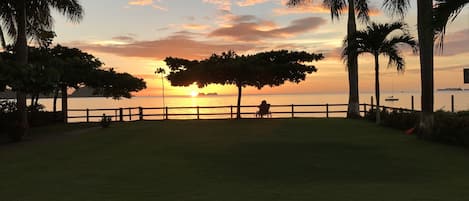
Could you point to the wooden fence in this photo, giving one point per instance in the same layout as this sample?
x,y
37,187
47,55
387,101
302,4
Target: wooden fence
x,y
215,112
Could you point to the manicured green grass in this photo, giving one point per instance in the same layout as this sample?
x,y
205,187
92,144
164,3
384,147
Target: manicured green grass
x,y
300,159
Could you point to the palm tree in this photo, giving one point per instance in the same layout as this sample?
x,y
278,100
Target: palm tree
x,y
383,39
426,42
444,12
30,18
337,7
162,72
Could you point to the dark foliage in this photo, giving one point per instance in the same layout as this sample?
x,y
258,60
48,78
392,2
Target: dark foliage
x,y
109,83
451,128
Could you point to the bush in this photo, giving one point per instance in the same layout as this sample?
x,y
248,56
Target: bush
x,y
449,127
452,127
395,118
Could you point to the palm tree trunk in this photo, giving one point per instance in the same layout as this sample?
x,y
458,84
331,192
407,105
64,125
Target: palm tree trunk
x,y
352,65
425,33
21,57
377,90
64,103
238,111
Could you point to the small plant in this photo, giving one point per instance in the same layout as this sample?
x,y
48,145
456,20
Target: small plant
x,y
105,121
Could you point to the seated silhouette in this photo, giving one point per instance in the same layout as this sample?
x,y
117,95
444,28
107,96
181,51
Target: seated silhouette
x,y
264,110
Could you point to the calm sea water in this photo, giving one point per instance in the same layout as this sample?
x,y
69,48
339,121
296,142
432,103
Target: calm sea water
x,y
442,101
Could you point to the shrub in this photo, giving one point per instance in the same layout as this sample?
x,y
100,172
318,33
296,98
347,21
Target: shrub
x,y
395,118
449,127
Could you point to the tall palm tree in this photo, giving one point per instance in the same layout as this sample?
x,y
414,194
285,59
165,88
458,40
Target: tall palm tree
x,y
337,7
30,18
445,11
162,72
383,39
426,34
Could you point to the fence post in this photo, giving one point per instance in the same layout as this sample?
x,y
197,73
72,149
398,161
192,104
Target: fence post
x,y
364,107
130,114
231,113
121,114
452,103
87,115
372,104
166,113
140,113
198,113
292,111
327,110
412,106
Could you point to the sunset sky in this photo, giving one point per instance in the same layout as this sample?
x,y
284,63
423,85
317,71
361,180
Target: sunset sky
x,y
136,35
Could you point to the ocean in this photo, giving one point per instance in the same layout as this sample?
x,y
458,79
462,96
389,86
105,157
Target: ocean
x,y
442,101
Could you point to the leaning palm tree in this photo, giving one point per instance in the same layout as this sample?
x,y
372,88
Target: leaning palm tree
x,y
337,7
382,39
30,18
426,31
444,12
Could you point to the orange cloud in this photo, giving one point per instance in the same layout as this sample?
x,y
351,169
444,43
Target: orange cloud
x,y
256,31
175,46
140,2
195,26
250,2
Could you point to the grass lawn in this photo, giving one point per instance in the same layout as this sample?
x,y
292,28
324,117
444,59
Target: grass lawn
x,y
248,160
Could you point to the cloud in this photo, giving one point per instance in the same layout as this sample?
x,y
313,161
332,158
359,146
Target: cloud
x,y
195,26
123,38
147,3
245,30
140,2
250,2
221,4
455,43
176,46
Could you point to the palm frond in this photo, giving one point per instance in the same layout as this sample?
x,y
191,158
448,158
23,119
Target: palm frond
x,y
336,7
361,6
445,11
396,7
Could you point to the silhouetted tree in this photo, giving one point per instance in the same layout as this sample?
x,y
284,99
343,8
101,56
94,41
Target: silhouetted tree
x,y
263,69
337,7
426,35
31,18
109,83
383,39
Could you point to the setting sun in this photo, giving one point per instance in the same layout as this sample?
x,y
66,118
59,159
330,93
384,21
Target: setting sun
x,y
194,93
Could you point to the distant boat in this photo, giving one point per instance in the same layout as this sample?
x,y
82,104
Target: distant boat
x,y
208,94
450,89
391,98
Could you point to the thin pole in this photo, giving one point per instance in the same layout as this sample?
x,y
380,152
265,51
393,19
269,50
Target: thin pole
x,y
452,103
413,107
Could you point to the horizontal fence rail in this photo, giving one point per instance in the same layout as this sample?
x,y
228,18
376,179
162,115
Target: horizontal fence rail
x,y
216,112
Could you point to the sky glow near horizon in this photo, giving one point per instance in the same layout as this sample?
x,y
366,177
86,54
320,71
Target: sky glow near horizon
x,y
136,35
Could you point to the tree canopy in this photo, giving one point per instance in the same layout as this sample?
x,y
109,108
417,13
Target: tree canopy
x,y
272,68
